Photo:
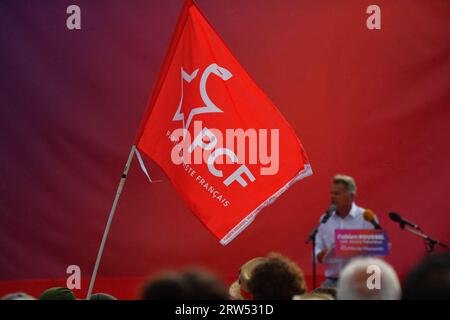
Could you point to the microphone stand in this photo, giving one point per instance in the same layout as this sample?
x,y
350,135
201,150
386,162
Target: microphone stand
x,y
430,242
312,238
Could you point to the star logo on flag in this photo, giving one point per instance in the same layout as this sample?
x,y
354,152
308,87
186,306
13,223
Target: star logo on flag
x,y
209,106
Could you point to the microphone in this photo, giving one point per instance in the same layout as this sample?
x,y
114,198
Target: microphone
x,y
324,219
397,218
369,216
328,213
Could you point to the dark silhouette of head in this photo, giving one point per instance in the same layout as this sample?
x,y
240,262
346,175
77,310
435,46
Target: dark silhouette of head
x,y
102,296
201,284
57,293
165,286
192,284
430,279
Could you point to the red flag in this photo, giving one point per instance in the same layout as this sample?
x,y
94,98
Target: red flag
x,y
223,144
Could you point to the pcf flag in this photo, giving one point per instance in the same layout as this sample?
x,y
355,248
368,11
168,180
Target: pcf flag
x,y
223,144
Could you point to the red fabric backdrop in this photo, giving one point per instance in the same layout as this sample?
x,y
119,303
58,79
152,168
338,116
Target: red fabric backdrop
x,y
372,104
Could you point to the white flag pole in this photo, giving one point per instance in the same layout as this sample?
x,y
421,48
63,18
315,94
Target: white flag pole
x,y
108,224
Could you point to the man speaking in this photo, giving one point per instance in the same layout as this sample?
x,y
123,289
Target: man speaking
x,y
347,215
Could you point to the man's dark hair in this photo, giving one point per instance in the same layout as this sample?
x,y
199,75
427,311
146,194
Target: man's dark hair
x,y
429,280
102,296
278,278
166,286
57,293
192,284
203,285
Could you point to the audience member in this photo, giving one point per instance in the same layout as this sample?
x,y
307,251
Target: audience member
x,y
18,296
368,278
166,286
201,284
102,296
330,291
57,293
430,279
276,278
313,296
239,289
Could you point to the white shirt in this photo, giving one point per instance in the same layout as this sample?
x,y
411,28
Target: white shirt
x,y
325,238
